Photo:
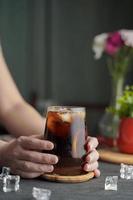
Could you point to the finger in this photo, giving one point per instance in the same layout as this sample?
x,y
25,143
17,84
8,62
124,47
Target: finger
x,y
90,167
32,167
24,174
34,143
92,157
91,143
97,172
37,157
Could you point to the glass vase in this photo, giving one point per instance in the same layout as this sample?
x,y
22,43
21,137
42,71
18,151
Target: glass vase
x,y
109,122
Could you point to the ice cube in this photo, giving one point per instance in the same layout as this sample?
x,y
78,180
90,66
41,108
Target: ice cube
x,y
66,117
126,171
111,182
41,193
11,183
123,170
5,172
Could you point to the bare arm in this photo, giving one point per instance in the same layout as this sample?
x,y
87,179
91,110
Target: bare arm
x,y
16,115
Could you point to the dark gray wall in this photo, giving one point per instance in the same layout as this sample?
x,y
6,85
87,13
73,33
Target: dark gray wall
x,y
13,35
76,75
47,45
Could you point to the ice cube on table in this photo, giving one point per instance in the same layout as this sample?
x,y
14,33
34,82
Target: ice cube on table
x,y
126,171
111,183
41,193
11,183
5,172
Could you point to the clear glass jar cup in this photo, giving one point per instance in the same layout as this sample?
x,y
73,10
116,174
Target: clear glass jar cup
x,y
66,128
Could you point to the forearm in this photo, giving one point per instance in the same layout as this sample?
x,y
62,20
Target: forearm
x,y
22,119
16,115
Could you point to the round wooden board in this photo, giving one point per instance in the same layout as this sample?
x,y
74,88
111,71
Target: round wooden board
x,y
68,179
112,155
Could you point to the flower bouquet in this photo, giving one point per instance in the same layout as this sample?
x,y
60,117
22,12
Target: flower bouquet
x,y
118,47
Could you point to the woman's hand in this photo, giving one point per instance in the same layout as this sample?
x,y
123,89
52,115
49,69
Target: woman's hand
x,y
23,155
92,156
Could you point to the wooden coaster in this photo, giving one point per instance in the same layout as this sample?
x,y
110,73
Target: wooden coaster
x,y
69,179
113,156
70,172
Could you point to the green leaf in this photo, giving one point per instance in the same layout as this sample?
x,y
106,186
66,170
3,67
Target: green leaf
x,y
125,104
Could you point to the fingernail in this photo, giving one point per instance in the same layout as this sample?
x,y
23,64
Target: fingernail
x,y
50,168
86,167
55,160
50,145
97,172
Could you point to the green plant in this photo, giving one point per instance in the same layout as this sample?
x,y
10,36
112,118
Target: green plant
x,y
124,107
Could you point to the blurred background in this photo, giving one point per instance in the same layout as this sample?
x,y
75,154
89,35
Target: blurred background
x,y
48,48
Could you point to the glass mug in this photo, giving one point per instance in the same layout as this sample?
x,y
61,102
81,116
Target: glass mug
x,y
66,128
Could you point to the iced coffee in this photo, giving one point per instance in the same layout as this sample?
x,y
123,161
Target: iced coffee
x,y
66,128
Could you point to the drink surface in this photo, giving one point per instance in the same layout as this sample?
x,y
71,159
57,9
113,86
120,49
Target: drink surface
x,y
66,129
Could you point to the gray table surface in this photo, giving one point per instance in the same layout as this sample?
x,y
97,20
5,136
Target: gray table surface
x,y
93,189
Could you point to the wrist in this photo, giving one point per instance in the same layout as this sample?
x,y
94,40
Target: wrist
x,y
3,145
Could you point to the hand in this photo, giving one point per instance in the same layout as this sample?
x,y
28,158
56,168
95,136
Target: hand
x,y
92,156
23,155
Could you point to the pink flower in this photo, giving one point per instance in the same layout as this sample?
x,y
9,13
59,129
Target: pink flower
x,y
113,43
127,36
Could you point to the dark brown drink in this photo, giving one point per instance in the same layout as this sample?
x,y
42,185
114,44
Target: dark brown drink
x,y
65,127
